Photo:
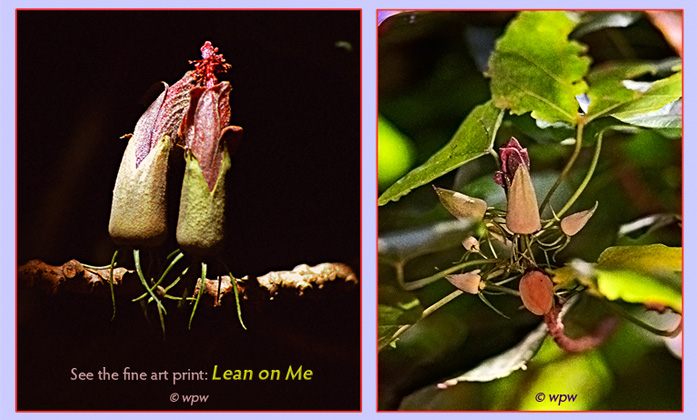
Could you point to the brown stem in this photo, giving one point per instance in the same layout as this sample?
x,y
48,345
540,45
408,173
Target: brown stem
x,y
555,327
73,277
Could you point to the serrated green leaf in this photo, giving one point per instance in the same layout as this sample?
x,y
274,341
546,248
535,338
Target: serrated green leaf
x,y
536,68
654,259
474,138
611,96
634,287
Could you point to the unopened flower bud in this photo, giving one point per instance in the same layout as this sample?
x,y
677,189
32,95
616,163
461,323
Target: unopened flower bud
x,y
512,156
573,223
209,142
523,216
471,244
139,209
467,282
461,206
537,292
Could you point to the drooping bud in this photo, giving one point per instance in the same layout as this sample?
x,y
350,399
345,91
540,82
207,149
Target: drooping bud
x,y
139,209
467,282
209,142
573,223
523,216
537,292
465,208
513,155
471,244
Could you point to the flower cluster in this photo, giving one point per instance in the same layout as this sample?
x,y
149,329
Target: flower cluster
x,y
519,234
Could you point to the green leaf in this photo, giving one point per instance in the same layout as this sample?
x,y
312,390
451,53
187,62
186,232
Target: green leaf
x,y
505,363
474,138
669,116
535,67
634,287
654,259
610,92
597,20
661,92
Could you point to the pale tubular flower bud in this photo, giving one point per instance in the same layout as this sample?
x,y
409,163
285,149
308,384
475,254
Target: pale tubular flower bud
x,y
467,282
139,209
471,244
465,208
200,227
537,292
573,223
523,216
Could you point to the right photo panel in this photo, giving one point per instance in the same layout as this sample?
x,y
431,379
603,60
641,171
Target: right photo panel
x,y
530,176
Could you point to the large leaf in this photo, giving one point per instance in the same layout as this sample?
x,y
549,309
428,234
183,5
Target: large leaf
x,y
611,94
535,67
670,116
634,287
661,92
474,138
505,363
654,259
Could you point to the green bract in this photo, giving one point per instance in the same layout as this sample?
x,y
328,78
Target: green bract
x,y
201,211
139,206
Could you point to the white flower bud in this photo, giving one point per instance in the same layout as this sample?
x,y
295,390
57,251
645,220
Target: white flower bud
x,y
468,282
573,223
471,244
461,206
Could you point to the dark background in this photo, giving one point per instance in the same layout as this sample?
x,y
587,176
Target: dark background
x,y
294,197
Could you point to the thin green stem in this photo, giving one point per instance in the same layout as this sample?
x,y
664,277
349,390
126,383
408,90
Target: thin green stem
x,y
160,308
201,286
428,311
417,284
586,180
162,277
237,297
111,283
567,168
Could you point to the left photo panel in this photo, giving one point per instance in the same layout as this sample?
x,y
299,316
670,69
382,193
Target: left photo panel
x,y
188,210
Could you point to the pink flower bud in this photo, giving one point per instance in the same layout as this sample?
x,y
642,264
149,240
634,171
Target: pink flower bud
x,y
573,223
467,282
523,216
537,292
461,206
512,156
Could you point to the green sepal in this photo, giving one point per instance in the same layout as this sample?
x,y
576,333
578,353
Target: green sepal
x,y
139,206
200,228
